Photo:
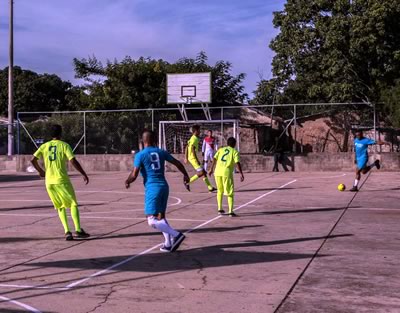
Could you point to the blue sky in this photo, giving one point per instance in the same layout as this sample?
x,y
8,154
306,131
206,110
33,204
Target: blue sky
x,y
49,33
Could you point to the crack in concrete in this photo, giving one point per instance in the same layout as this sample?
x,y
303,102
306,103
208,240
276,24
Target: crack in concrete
x,y
199,271
28,224
105,299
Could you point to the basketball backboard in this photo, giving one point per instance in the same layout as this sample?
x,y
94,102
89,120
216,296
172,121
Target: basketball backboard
x,y
189,88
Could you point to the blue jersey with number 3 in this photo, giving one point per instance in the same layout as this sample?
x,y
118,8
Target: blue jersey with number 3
x,y
151,161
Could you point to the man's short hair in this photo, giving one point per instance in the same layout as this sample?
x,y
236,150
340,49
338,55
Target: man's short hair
x,y
231,142
152,135
210,130
195,127
55,131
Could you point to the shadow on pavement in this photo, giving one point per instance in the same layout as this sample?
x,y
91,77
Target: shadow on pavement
x,y
192,259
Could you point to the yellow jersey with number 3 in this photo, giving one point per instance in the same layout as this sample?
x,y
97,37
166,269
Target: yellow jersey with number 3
x,y
226,158
55,155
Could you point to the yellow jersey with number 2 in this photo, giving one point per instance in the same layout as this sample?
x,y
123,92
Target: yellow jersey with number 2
x,y
55,155
226,158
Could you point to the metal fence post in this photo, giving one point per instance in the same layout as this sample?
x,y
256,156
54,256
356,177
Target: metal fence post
x,y
18,135
295,128
84,133
222,127
152,119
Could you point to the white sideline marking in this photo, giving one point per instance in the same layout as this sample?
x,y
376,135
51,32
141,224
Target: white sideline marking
x,y
323,177
106,270
178,201
101,217
20,304
32,287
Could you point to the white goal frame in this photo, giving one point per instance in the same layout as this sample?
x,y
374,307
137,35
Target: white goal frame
x,y
235,129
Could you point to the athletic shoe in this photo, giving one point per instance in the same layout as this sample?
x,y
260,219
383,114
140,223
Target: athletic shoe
x,y
221,212
378,164
82,234
68,236
166,249
232,214
176,242
354,189
212,189
187,186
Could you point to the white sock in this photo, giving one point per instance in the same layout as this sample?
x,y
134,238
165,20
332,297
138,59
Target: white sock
x,y
167,241
356,183
162,226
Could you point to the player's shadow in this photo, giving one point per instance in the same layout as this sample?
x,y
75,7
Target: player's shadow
x,y
201,230
192,259
35,207
121,236
18,178
290,211
269,189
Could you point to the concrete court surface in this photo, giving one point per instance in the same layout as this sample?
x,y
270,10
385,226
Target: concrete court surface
x,y
298,245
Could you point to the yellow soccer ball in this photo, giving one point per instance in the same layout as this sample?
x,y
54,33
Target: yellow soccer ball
x,y
341,187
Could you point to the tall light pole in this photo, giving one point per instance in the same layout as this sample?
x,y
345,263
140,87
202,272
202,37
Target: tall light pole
x,y
11,83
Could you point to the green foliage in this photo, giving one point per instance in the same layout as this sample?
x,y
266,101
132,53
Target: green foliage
x,y
142,83
38,92
334,51
391,98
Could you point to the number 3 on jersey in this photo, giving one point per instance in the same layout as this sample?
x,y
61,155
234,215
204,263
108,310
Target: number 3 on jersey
x,y
225,155
155,161
53,151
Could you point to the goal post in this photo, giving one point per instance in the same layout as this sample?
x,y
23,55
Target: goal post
x,y
174,135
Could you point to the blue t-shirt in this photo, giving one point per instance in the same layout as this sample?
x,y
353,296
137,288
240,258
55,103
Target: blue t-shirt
x,y
361,148
151,161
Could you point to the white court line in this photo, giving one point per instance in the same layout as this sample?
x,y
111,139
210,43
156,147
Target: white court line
x,y
324,177
106,270
101,217
20,304
178,201
32,287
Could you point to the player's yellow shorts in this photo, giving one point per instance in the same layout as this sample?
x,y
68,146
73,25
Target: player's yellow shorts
x,y
196,165
62,196
225,185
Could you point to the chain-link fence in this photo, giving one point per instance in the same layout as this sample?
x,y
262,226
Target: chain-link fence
x,y
299,128
4,137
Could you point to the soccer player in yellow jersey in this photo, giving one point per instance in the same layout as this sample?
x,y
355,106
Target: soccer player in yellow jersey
x,y
55,154
223,167
191,157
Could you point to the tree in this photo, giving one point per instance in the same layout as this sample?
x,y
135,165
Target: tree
x,y
334,51
38,92
142,83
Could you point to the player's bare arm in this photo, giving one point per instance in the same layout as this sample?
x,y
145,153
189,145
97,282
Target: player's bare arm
x,y
182,169
132,177
239,167
79,168
37,166
212,169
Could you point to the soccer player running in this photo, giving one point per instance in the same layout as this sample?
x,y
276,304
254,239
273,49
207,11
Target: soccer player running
x,y
208,149
150,162
191,157
223,167
361,157
55,155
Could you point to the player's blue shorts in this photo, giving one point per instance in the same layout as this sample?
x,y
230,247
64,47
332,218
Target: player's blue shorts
x,y
155,199
362,163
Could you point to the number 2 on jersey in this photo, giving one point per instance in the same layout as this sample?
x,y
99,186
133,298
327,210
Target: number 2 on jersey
x,y
155,161
53,155
225,155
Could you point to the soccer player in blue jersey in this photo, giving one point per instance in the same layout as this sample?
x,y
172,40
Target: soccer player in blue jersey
x,y
150,162
361,144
